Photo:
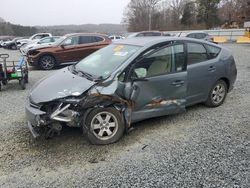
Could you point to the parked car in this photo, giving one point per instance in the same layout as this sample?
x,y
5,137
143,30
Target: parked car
x,y
44,41
116,37
11,44
129,81
200,35
3,41
146,34
33,38
69,49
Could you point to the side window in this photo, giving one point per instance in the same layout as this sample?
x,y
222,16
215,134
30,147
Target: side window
x,y
196,53
38,37
200,35
213,51
98,39
86,39
46,40
140,35
70,41
191,36
164,61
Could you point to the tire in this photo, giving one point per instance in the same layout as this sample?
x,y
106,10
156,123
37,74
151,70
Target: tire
x,y
217,95
14,47
26,78
22,84
105,126
47,62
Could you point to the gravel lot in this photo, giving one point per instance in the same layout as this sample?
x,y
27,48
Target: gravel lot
x,y
200,148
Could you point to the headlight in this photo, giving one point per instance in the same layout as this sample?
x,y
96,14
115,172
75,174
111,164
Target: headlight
x,y
33,52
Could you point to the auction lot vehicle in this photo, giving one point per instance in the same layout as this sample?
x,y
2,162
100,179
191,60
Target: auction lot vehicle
x,y
69,49
44,41
11,44
200,35
146,34
116,37
129,81
33,38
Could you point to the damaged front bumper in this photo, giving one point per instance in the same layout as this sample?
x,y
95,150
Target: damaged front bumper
x,y
34,121
44,123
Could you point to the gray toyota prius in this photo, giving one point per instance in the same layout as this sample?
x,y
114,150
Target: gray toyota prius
x,y
129,81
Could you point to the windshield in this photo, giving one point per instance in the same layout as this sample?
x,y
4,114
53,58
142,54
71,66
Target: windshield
x,y
103,62
60,40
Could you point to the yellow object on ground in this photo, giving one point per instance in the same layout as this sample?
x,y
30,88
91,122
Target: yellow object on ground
x,y
220,39
243,40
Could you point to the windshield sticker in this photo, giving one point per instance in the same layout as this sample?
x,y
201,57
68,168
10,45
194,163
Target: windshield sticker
x,y
118,48
123,54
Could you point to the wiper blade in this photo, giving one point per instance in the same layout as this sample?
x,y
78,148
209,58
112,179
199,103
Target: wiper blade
x,y
85,74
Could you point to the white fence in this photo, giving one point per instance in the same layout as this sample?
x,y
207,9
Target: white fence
x,y
230,34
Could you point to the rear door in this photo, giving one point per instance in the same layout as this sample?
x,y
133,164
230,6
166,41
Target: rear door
x,y
87,45
202,71
159,83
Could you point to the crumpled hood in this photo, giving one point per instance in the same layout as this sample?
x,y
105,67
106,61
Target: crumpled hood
x,y
59,85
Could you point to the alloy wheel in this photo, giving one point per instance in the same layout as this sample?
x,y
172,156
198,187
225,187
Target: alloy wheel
x,y
218,94
104,125
47,62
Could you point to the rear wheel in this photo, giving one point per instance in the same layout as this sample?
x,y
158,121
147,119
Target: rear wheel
x,y
47,62
14,47
105,126
217,94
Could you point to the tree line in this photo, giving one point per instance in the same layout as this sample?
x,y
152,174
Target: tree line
x,y
185,14
16,30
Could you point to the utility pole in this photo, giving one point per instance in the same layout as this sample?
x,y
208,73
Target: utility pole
x,y
150,19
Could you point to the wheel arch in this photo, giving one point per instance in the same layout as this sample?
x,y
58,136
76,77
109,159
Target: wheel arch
x,y
47,54
226,80
119,106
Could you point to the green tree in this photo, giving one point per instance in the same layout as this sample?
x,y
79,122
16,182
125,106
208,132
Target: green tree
x,y
208,12
189,14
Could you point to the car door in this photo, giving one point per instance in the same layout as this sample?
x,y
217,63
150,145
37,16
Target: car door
x,y
66,51
202,72
158,83
87,45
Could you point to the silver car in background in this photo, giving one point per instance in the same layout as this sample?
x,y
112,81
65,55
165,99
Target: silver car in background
x,y
47,41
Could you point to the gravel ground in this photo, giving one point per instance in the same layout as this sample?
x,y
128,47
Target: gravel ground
x,y
201,148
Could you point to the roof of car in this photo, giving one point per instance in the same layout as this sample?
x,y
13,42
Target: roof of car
x,y
197,32
144,41
92,34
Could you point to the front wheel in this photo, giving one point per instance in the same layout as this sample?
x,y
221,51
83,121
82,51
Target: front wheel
x,y
105,126
22,84
47,62
217,94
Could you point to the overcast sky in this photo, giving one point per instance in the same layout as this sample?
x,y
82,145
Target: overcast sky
x,y
58,12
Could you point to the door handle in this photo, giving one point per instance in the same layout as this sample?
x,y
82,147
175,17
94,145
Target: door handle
x,y
178,83
212,69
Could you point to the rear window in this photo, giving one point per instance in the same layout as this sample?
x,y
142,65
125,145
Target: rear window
x,y
98,39
213,51
196,53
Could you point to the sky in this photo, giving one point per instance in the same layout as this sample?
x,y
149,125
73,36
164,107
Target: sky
x,y
62,12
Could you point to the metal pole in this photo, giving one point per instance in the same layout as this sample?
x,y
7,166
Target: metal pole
x,y
150,19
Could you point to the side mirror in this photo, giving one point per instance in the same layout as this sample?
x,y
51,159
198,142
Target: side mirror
x,y
62,46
